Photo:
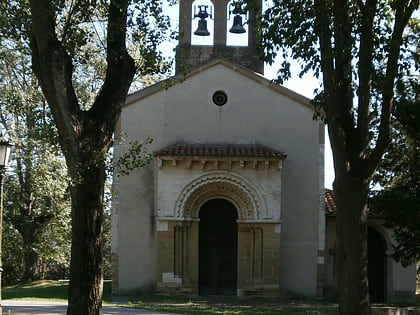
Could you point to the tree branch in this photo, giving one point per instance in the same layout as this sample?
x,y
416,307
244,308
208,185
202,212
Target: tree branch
x,y
120,71
343,76
365,73
335,104
403,13
72,10
53,67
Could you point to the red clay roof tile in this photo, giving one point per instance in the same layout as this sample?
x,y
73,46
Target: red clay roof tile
x,y
255,150
329,199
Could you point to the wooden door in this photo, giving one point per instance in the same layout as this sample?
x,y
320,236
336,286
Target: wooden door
x,y
376,266
218,249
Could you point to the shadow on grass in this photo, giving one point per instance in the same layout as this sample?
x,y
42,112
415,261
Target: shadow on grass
x,y
206,305
45,290
203,305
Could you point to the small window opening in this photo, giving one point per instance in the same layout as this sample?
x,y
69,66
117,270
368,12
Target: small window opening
x,y
220,98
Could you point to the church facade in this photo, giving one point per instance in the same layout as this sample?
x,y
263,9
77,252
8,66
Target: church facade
x,y
233,202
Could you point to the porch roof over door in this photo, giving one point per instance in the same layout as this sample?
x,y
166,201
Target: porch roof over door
x,y
219,150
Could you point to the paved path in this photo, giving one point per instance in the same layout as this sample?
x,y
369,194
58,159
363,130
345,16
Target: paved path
x,y
23,307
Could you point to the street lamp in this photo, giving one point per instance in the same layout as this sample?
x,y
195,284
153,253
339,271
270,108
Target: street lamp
x,y
5,148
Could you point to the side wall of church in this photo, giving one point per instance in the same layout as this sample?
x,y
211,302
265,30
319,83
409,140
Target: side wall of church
x,y
254,113
400,282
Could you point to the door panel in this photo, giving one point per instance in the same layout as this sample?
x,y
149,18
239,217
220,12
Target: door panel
x,y
376,266
218,238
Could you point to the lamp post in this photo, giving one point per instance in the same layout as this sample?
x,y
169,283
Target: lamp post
x,y
5,148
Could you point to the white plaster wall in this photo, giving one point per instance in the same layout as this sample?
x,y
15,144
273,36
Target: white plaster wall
x,y
404,277
136,241
330,271
254,113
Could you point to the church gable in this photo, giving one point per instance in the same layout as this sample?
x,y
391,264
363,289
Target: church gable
x,y
220,104
226,76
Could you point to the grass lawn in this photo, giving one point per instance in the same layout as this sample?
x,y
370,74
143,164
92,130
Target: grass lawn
x,y
57,291
229,306
45,290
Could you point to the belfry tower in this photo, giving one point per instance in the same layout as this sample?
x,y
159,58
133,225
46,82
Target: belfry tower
x,y
221,12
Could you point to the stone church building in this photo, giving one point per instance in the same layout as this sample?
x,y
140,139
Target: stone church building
x,y
233,202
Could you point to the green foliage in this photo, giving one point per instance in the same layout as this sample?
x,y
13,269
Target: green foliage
x,y
288,28
361,48
136,156
12,257
79,47
291,30
81,27
37,205
399,175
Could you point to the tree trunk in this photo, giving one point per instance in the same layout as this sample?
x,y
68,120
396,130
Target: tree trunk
x,y
31,263
85,137
351,197
86,272
29,228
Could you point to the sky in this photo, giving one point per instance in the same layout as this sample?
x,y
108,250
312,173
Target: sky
x,y
304,86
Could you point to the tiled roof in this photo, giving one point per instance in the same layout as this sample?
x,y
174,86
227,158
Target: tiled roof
x,y
331,208
217,150
329,199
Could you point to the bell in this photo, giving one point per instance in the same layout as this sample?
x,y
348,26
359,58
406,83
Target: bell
x,y
202,28
237,27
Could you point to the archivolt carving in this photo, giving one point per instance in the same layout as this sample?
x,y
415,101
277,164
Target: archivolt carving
x,y
220,185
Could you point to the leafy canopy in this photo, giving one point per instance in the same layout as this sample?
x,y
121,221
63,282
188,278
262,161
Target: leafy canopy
x,y
81,27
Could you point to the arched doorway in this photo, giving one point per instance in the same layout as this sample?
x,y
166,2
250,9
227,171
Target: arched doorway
x,y
376,266
218,239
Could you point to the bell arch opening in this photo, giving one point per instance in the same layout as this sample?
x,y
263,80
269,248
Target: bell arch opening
x,y
202,26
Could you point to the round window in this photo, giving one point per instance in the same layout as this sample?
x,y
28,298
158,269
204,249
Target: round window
x,y
220,98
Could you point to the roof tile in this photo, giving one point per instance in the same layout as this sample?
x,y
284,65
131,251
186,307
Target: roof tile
x,y
329,200
217,150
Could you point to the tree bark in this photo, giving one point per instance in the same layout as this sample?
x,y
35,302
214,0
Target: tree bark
x,y
85,137
31,268
30,256
355,159
86,272
351,230
29,228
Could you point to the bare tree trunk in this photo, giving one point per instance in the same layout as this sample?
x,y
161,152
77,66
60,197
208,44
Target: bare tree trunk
x,y
31,264
85,137
86,271
351,195
29,228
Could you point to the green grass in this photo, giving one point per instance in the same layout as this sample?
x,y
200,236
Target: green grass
x,y
45,290
57,291
229,306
